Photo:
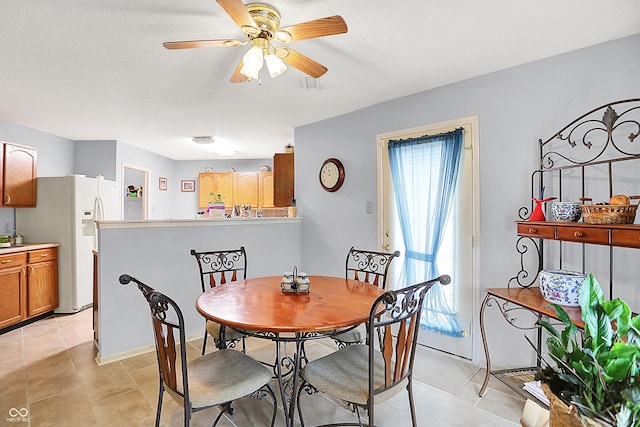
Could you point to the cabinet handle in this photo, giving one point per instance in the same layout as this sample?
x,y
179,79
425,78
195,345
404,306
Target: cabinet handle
x,y
533,230
7,261
8,199
44,255
578,234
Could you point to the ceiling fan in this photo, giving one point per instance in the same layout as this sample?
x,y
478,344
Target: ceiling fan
x,y
261,24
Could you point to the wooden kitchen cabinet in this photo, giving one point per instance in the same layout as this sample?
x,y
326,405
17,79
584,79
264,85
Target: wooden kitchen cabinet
x,y
13,289
28,283
19,164
255,189
246,188
42,281
266,190
283,179
217,183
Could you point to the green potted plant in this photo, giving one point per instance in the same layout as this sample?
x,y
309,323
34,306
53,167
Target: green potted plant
x,y
596,372
216,205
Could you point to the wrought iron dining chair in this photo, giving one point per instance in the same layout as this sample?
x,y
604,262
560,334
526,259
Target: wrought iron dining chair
x,y
217,268
365,375
215,379
365,266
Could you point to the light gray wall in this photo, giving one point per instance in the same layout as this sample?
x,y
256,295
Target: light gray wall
x,y
93,158
516,107
55,154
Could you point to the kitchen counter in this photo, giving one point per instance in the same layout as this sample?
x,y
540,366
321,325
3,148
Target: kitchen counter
x,y
205,222
28,247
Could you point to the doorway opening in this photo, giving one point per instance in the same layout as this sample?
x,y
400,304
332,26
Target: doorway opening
x,y
135,207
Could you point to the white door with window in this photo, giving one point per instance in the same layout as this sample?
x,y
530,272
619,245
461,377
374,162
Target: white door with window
x,y
456,255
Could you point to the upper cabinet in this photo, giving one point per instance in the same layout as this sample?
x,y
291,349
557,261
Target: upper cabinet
x,y
255,189
246,189
19,176
283,178
266,190
216,183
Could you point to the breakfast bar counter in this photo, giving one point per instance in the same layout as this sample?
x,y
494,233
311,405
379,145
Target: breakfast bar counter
x,y
158,253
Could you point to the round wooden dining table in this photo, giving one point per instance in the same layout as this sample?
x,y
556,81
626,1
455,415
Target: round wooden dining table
x,y
260,308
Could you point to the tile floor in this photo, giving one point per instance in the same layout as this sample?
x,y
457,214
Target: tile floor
x,y
48,377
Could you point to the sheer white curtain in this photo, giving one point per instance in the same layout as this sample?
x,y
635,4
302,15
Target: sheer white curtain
x,y
425,173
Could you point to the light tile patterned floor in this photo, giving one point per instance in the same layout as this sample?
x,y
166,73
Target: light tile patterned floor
x,y
48,368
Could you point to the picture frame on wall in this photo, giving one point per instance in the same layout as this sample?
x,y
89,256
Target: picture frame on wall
x,y
162,184
188,185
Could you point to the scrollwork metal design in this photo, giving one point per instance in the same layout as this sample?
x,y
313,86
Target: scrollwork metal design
x,y
522,247
507,310
374,265
222,261
589,134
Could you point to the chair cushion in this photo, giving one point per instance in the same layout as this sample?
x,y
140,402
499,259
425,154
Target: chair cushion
x,y
344,374
223,376
213,329
355,335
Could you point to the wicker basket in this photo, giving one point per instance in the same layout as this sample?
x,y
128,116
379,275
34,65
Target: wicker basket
x,y
608,214
562,415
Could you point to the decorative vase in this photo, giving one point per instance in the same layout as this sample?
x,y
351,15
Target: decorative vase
x,y
538,214
216,210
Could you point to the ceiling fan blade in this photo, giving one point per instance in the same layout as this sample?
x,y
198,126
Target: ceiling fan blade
x,y
238,12
201,43
237,77
301,62
311,29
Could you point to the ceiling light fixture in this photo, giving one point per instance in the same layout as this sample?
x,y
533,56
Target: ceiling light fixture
x,y
254,59
202,139
222,149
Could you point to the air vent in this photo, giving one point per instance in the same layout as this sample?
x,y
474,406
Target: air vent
x,y
309,83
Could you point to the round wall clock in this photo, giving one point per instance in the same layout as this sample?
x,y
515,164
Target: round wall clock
x,y
331,175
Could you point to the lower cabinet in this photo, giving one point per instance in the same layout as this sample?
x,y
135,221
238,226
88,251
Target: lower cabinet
x,y
28,285
42,281
13,293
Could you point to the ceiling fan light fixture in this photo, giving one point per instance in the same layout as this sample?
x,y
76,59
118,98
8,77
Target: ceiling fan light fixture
x,y
252,73
252,62
275,65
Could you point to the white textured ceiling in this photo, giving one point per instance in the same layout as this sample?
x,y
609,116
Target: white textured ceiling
x,y
88,70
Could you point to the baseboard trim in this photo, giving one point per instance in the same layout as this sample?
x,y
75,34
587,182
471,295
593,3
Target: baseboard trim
x,y
134,352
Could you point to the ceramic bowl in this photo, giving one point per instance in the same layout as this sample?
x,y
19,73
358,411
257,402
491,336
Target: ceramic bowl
x,y
561,286
566,211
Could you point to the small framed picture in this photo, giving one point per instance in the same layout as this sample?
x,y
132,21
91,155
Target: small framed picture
x,y
162,184
188,185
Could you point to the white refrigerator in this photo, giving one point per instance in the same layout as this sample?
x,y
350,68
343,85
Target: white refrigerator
x,y
66,210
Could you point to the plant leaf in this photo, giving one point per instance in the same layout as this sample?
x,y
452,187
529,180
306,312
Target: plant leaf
x,y
619,312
